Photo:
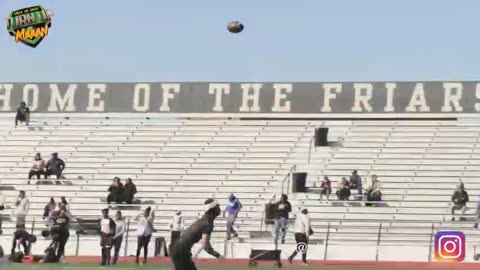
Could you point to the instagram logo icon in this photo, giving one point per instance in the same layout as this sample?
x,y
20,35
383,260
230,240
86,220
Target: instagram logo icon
x,y
449,246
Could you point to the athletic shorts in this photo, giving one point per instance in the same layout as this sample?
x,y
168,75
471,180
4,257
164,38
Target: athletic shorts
x,y
106,241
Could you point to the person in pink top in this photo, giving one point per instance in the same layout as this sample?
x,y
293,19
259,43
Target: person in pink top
x,y
38,168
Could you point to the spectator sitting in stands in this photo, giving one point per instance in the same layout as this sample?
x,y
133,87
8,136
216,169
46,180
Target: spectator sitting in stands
x,y
48,211
325,188
23,114
38,168
459,200
374,194
356,182
55,166
116,191
64,201
129,190
343,192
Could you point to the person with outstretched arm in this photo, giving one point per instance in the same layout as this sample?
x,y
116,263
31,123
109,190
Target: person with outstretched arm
x,y
233,208
199,231
144,232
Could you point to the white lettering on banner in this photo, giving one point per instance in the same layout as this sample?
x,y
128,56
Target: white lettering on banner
x,y
418,99
31,90
362,99
329,95
390,93
254,97
65,103
280,96
5,94
141,88
477,95
95,94
167,95
451,98
218,89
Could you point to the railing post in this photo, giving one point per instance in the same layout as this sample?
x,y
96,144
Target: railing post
x,y
288,182
287,177
310,149
326,242
261,221
225,248
33,226
378,241
126,238
77,251
430,244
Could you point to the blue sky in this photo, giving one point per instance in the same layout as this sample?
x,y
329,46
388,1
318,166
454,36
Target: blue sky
x,y
300,40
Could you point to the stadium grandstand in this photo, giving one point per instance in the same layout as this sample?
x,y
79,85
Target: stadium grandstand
x,y
187,152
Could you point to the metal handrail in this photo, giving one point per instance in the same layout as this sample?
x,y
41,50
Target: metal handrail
x,y
379,237
287,177
310,149
327,240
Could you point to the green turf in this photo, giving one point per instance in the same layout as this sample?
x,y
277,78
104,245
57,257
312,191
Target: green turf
x,y
153,267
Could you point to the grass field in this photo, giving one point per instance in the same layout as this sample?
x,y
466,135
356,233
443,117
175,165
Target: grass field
x,y
161,267
85,266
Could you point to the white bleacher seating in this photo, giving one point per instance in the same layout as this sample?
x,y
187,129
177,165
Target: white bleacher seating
x,y
177,164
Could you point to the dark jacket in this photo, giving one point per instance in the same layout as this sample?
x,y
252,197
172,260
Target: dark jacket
x,y
56,166
460,197
116,189
130,189
282,209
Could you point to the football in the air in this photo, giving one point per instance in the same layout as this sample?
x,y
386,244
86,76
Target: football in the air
x,y
235,27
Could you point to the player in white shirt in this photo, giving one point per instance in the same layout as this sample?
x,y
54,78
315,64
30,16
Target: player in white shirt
x,y
144,233
176,226
121,227
302,231
107,231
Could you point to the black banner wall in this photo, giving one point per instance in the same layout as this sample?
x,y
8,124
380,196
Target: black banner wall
x,y
245,98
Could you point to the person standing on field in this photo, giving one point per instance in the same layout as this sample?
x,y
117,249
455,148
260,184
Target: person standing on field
x,y
176,226
120,229
303,230
232,209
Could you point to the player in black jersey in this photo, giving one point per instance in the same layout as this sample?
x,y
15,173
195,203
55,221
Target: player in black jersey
x,y
59,229
200,230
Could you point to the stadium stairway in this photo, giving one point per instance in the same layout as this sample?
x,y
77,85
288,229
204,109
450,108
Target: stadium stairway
x,y
178,163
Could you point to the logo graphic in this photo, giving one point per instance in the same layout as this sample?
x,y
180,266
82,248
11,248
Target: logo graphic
x,y
29,25
449,246
302,247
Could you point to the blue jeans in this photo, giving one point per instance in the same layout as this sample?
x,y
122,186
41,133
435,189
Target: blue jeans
x,y
280,225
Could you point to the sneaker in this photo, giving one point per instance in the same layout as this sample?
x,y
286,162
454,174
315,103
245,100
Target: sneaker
x,y
290,259
283,241
305,264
